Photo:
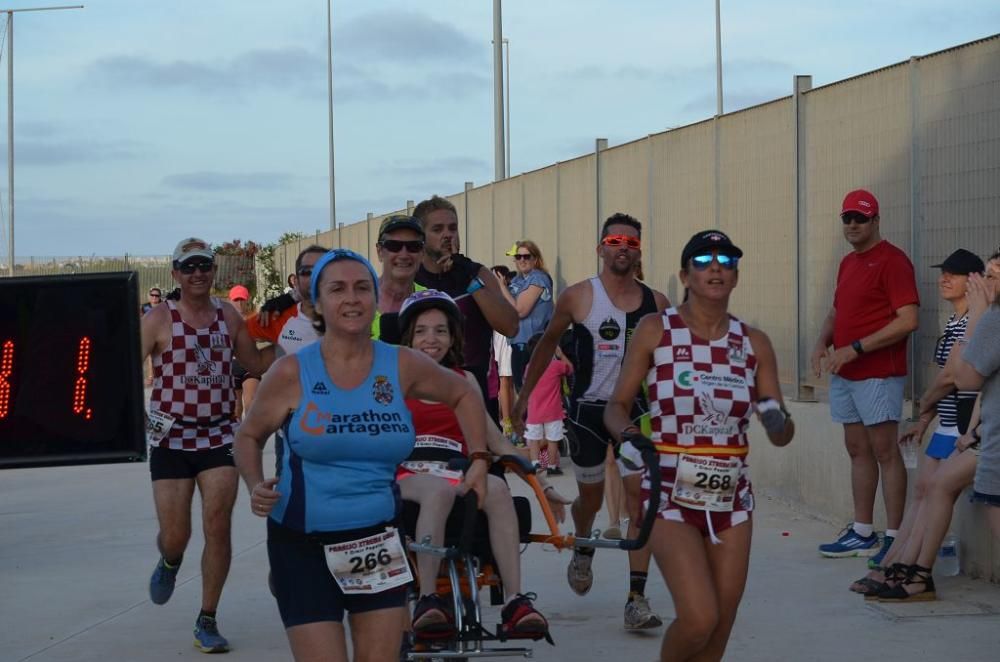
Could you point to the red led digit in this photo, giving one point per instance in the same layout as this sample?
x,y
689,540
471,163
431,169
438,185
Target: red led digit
x,y
6,370
80,388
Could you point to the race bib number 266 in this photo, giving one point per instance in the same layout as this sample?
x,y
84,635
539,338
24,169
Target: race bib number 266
x,y
369,565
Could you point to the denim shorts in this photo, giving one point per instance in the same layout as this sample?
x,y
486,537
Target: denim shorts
x,y
867,401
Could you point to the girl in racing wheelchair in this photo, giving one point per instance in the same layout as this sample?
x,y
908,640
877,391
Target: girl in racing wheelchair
x,y
432,324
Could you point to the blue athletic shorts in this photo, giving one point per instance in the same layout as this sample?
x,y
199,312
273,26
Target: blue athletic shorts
x,y
941,446
304,588
867,401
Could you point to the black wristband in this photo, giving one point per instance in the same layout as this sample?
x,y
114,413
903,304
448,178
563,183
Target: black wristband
x,y
856,346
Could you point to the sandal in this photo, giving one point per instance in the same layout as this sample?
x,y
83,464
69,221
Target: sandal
x,y
868,587
915,575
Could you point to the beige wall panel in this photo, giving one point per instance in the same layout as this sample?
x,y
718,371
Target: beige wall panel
x,y
507,219
857,136
757,211
958,119
578,227
478,244
541,210
682,199
625,180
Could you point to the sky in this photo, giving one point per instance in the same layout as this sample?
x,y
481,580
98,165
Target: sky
x,y
138,122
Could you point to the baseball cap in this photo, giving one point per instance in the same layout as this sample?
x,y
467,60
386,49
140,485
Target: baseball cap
x,y
192,247
239,292
709,240
961,263
400,222
512,251
860,201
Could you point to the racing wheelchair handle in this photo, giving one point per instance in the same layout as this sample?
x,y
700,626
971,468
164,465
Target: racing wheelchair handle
x,y
651,460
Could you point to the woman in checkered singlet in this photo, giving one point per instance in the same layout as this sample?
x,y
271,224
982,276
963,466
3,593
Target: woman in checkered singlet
x,y
707,373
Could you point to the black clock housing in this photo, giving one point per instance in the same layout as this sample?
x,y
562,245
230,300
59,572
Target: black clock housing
x,y
70,370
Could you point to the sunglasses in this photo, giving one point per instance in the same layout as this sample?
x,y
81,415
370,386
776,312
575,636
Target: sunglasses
x,y
616,240
395,245
155,295
523,256
189,268
853,216
702,262
305,271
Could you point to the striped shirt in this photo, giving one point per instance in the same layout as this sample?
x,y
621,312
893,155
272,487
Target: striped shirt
x,y
947,407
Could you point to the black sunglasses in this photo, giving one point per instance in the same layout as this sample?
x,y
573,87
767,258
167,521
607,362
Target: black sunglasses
x,y
189,268
396,245
155,294
702,262
523,256
855,217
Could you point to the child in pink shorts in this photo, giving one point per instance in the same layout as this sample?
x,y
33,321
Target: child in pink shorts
x,y
545,410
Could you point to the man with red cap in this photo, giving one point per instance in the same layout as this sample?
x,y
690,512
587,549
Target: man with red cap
x,y
862,344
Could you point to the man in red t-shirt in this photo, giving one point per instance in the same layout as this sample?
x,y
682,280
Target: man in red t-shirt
x,y
874,310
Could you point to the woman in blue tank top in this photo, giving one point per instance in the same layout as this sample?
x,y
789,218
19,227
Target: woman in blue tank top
x,y
331,534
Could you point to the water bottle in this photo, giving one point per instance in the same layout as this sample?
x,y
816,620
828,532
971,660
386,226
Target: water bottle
x,y
947,560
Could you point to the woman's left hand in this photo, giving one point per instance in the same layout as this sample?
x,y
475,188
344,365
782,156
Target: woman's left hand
x,y
475,480
981,293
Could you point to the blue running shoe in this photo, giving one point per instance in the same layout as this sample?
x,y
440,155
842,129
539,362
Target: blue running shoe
x,y
876,561
850,544
161,584
207,638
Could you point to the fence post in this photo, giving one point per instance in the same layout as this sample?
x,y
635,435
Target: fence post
x,y
465,232
600,144
800,85
409,207
916,222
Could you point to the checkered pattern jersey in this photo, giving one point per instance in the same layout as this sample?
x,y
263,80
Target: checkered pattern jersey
x,y
701,394
193,383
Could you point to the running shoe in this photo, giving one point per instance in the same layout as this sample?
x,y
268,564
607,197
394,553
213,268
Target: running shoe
x,y
579,574
161,584
554,471
520,617
638,614
207,638
433,616
613,532
850,544
876,561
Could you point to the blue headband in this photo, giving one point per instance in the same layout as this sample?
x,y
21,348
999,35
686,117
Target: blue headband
x,y
333,256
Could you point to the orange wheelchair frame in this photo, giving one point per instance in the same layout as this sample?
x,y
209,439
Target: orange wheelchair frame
x,y
464,575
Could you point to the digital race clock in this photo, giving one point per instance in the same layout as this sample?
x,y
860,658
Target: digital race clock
x,y
70,370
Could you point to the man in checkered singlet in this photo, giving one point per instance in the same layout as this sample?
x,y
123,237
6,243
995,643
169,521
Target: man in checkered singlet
x,y
190,426
602,311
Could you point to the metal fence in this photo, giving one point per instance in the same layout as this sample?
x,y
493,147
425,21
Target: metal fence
x,y
923,135
153,270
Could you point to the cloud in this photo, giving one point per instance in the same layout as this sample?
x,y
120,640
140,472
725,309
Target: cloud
x,y
738,68
406,36
229,181
271,68
32,151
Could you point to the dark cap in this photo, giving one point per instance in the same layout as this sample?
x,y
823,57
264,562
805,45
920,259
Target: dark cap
x,y
709,240
400,222
961,263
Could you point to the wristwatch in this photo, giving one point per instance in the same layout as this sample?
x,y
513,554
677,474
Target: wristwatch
x,y
856,346
476,284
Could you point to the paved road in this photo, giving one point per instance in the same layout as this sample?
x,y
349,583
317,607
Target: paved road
x,y
76,551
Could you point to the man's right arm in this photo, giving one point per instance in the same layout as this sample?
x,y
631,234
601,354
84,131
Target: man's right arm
x,y
562,318
823,343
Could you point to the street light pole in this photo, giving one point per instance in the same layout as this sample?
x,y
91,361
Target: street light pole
x,y
499,169
329,90
10,118
718,58
506,42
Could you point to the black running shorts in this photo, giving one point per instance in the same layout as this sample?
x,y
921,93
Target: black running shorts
x,y
303,586
172,464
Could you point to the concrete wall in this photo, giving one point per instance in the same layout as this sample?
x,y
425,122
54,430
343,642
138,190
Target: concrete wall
x,y
923,135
